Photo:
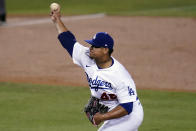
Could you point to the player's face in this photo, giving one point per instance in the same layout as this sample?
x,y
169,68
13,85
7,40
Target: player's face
x,y
97,52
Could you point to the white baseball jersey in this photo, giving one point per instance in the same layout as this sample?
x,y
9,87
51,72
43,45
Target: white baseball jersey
x,y
112,86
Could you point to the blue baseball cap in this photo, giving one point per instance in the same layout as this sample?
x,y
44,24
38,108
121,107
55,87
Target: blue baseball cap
x,y
102,39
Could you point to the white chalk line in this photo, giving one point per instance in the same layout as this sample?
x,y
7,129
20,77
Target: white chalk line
x,y
48,20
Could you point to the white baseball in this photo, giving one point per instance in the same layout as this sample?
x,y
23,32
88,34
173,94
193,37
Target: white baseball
x,y
55,7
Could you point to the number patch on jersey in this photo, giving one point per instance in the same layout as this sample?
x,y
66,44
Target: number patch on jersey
x,y
131,91
107,97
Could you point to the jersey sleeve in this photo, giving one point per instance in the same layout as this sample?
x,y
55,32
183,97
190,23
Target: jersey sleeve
x,y
67,40
80,55
78,52
126,93
128,107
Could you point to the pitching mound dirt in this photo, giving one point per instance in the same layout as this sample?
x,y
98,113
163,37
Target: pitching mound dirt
x,y
158,52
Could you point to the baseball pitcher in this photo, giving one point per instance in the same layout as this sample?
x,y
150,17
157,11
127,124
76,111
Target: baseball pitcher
x,y
114,99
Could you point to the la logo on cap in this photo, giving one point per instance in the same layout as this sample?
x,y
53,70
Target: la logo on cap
x,y
94,37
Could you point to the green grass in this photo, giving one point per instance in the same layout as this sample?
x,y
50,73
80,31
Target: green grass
x,y
111,7
26,107
168,111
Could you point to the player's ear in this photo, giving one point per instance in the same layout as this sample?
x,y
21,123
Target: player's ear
x,y
106,50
